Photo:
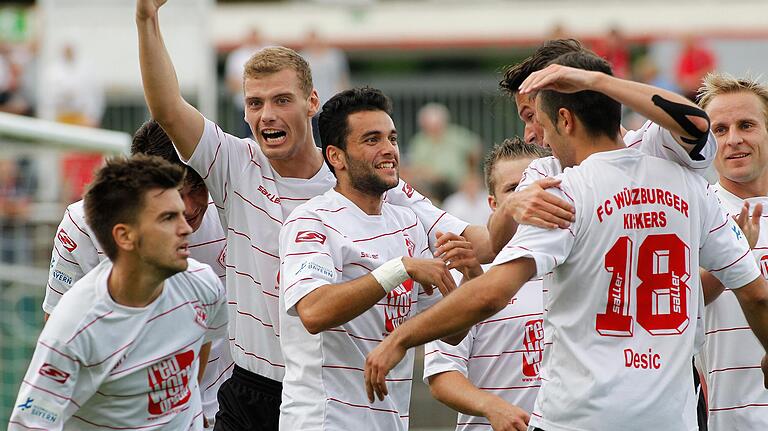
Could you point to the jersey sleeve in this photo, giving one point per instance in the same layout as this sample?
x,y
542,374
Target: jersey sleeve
x,y
219,158
658,142
724,250
307,256
440,357
432,218
547,247
539,169
73,255
53,389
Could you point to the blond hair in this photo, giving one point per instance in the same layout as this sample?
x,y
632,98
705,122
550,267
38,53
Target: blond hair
x,y
717,84
273,59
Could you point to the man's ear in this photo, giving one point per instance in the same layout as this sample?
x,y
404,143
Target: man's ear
x,y
336,158
124,236
566,120
314,103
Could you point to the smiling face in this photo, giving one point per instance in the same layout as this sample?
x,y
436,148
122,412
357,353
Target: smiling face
x,y
739,125
161,232
279,113
526,110
372,157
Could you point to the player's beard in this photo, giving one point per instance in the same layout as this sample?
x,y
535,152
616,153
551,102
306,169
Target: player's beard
x,y
362,177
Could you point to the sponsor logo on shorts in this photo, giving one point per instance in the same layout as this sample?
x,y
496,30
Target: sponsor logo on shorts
x,y
408,190
62,277
310,236
533,347
39,410
53,373
169,383
66,241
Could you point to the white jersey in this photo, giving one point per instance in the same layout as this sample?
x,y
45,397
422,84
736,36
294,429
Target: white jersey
x,y
737,399
650,139
501,354
253,201
101,365
618,343
76,251
330,240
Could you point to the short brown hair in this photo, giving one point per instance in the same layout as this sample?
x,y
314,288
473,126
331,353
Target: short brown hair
x,y
273,59
151,139
511,149
514,75
718,83
117,192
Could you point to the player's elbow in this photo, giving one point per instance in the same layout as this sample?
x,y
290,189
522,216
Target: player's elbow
x,y
701,123
313,321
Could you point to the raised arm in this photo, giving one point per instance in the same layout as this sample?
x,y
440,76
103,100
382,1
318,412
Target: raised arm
x,y
687,122
180,120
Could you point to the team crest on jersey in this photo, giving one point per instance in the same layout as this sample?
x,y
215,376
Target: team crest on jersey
x,y
310,236
410,244
408,190
764,266
53,373
169,383
223,257
66,241
533,347
398,306
200,316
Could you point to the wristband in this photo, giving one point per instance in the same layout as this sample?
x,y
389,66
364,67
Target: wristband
x,y
391,274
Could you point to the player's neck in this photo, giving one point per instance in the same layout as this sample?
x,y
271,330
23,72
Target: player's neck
x,y
304,164
132,286
597,145
749,189
369,203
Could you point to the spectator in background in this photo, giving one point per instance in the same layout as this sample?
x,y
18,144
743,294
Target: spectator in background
x,y
470,201
77,98
441,154
695,61
234,74
11,75
14,210
614,48
77,95
330,68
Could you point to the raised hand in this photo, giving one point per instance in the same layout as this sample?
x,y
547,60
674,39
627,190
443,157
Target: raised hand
x,y
148,8
750,225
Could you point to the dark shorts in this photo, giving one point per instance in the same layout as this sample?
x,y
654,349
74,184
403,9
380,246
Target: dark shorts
x,y
248,401
701,405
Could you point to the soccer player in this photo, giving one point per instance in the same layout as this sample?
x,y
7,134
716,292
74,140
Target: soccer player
x,y
618,341
121,348
738,110
256,185
349,262
76,251
492,377
650,139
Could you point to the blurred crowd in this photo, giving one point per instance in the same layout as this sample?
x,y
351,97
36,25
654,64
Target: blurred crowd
x,y
442,159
